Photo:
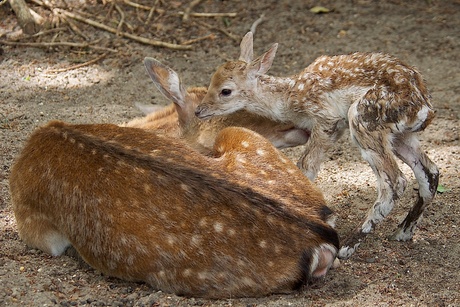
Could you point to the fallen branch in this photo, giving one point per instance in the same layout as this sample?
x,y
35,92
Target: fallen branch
x,y
57,44
137,38
28,22
78,65
192,41
210,14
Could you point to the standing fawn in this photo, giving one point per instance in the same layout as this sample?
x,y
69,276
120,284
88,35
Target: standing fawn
x,y
178,119
383,102
143,207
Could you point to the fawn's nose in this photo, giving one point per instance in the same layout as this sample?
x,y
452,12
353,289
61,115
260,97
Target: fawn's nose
x,y
201,112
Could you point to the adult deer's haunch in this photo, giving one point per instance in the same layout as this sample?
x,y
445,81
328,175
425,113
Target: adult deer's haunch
x,y
383,102
144,207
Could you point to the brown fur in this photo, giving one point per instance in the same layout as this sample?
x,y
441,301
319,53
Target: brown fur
x,y
144,207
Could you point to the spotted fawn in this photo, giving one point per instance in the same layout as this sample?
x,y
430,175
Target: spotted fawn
x,y
381,100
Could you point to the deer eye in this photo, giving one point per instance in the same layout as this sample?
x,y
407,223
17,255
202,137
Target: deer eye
x,y
226,92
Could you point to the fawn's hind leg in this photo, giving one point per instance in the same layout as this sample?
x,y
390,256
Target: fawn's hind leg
x,y
376,149
407,148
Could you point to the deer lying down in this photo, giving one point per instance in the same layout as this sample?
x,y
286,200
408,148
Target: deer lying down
x,y
142,207
178,119
383,102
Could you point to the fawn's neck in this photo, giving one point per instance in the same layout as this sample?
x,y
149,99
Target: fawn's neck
x,y
287,99
272,95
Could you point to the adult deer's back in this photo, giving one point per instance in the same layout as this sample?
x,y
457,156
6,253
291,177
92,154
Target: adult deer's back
x,y
143,207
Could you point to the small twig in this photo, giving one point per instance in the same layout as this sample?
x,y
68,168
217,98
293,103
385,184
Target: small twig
x,y
78,65
189,9
209,36
204,24
210,14
75,28
43,32
109,12
128,35
152,10
122,19
256,23
138,6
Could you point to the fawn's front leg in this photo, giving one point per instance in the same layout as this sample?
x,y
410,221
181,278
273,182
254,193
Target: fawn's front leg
x,y
376,149
323,135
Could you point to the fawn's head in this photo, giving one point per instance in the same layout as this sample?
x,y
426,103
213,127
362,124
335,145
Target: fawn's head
x,y
233,84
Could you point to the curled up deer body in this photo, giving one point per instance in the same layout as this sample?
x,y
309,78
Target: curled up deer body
x,y
178,118
143,207
381,100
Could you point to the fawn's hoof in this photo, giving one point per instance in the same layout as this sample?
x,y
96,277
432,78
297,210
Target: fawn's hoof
x,y
401,235
346,251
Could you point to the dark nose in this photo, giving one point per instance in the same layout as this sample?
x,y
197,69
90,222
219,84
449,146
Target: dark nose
x,y
198,111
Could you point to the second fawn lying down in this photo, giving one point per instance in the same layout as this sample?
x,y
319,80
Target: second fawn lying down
x,y
143,207
178,119
383,102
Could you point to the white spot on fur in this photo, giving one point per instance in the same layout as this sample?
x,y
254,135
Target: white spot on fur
x,y
240,159
263,244
301,86
203,222
220,149
171,239
245,144
202,275
260,152
187,272
196,240
218,227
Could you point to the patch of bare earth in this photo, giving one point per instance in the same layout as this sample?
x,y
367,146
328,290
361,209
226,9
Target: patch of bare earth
x,y
38,84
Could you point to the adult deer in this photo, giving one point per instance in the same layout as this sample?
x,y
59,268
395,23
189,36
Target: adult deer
x,y
383,102
143,207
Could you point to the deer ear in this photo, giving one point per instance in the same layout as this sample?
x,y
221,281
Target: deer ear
x,y
263,63
246,47
167,81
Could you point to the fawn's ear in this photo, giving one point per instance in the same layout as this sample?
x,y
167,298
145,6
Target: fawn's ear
x,y
167,81
246,47
263,63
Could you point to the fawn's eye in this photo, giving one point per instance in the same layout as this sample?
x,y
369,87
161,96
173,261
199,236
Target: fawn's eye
x,y
225,92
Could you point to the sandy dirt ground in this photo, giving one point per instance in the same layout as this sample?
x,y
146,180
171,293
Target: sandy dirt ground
x,y
422,272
